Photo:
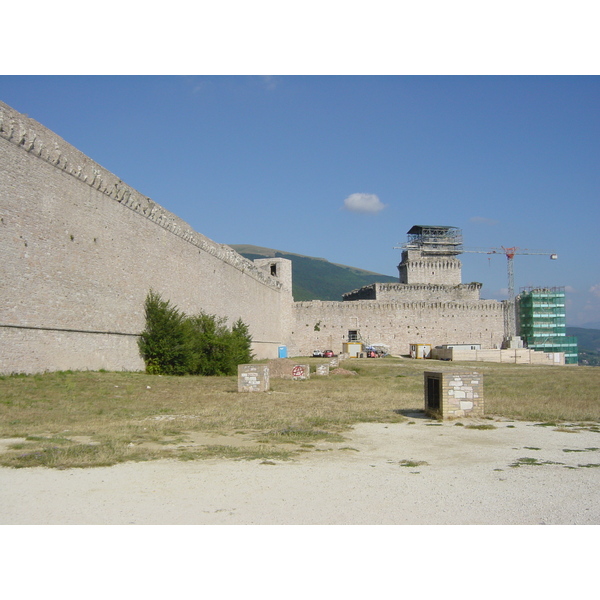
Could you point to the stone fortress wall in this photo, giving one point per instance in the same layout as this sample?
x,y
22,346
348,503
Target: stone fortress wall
x,y
429,305
326,325
80,250
419,292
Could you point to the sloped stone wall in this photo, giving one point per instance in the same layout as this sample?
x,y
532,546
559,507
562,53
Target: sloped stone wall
x,y
81,249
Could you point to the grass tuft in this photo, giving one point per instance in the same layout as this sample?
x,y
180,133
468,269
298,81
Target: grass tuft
x,y
73,456
234,452
412,463
292,435
527,460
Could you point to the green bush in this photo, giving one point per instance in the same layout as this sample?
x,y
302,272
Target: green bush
x,y
176,344
208,345
163,343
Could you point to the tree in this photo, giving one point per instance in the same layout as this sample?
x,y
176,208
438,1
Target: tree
x,y
241,343
208,345
163,342
176,344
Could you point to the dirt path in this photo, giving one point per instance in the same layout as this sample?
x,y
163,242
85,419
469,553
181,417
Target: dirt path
x,y
408,473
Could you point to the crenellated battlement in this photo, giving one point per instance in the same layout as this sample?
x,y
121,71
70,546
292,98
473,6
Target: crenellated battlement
x,y
491,306
419,267
393,292
41,143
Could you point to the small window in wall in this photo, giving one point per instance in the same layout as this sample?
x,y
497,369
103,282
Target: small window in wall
x,y
274,269
353,335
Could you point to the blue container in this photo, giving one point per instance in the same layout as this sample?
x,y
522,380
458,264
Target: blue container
x,y
282,352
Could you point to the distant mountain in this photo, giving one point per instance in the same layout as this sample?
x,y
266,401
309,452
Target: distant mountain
x,y
588,344
588,339
317,278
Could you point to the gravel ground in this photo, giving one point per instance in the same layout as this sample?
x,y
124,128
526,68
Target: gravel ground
x,y
416,472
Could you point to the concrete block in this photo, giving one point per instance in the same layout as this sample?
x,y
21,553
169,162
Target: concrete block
x,y
300,372
322,369
253,378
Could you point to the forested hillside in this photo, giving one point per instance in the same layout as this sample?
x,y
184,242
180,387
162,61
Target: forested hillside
x,y
317,278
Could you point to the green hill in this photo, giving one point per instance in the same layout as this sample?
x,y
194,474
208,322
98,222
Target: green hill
x,y
317,278
588,344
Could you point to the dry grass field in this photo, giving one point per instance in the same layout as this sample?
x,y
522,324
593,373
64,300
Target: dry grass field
x,y
83,419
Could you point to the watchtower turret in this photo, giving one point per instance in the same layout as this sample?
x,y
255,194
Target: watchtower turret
x,y
429,255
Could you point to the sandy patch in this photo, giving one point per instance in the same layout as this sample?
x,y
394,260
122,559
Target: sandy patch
x,y
195,439
416,472
6,443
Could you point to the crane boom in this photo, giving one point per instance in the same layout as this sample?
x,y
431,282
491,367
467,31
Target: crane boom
x,y
510,253
431,242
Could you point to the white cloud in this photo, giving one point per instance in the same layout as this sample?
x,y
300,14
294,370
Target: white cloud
x,y
269,82
364,203
483,221
595,290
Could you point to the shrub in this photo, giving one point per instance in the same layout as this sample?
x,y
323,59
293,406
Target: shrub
x,y
241,343
163,341
176,344
208,345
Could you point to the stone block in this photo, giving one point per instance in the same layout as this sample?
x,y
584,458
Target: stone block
x,y
300,372
322,369
253,378
452,395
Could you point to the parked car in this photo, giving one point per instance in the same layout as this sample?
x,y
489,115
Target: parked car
x,y
328,353
317,353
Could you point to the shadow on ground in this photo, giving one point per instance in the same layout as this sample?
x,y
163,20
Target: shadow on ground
x,y
413,413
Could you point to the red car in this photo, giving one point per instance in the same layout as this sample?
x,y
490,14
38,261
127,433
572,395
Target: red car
x,y
328,353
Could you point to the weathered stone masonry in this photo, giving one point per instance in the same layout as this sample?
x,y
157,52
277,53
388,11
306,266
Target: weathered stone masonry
x,y
396,324
428,305
80,250
394,292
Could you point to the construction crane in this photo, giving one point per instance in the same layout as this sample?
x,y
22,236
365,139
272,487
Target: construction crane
x,y
510,253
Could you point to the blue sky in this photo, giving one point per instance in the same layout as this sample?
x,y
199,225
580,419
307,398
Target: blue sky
x,y
341,167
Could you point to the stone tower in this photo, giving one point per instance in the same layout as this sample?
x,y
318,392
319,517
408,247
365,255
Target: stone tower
x,y
281,268
429,255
